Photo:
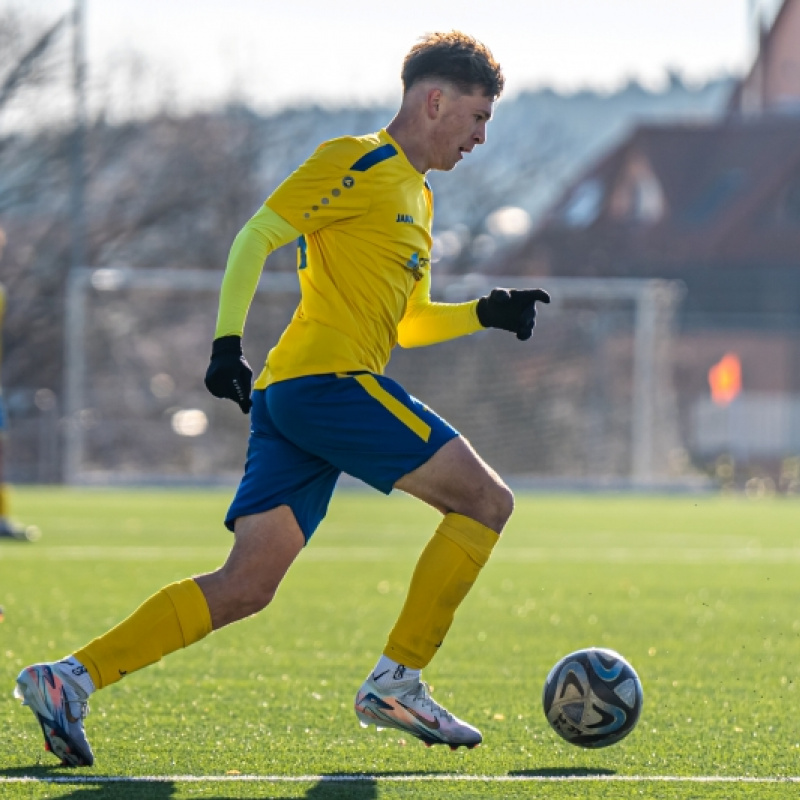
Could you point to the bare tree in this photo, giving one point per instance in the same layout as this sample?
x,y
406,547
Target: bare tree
x,y
28,69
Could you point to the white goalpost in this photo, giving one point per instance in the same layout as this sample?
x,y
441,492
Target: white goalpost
x,y
588,401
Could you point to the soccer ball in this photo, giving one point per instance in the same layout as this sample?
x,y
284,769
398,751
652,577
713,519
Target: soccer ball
x,y
592,697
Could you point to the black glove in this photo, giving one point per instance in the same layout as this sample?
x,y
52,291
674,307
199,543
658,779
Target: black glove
x,y
228,374
511,310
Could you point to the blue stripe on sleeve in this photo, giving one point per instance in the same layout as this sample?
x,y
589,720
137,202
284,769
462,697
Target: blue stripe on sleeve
x,y
374,157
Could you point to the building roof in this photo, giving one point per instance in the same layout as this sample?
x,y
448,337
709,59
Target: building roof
x,y
672,194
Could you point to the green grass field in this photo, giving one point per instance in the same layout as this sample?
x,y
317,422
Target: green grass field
x,y
700,593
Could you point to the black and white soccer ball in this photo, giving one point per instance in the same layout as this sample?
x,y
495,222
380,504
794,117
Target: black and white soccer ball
x,y
592,697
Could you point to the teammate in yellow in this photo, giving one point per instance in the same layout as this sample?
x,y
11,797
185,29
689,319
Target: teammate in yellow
x,y
360,210
8,528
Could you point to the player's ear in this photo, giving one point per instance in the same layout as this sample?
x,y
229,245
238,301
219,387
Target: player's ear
x,y
433,102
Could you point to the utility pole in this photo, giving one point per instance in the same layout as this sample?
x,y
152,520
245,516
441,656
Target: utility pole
x,y
77,155
72,433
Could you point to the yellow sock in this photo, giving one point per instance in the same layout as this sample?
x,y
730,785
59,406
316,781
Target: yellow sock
x,y
174,617
3,501
445,572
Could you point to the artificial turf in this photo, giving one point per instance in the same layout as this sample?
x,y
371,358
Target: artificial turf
x,y
699,593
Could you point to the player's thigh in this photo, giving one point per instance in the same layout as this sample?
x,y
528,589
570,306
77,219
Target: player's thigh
x,y
457,479
370,427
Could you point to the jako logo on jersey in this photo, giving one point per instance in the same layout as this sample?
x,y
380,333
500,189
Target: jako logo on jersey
x,y
348,182
407,218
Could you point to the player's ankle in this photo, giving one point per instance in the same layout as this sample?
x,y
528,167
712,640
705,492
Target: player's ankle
x,y
388,673
76,675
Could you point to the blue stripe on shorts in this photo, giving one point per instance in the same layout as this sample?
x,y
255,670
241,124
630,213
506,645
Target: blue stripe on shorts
x,y
305,432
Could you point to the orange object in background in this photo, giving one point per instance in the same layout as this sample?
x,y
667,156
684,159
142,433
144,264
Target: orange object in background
x,y
725,379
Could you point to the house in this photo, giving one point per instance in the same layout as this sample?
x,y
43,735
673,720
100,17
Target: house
x,y
773,83
716,207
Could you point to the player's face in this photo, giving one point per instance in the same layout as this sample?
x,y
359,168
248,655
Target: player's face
x,y
461,126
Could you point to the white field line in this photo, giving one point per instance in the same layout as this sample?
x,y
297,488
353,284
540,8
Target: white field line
x,y
357,778
527,555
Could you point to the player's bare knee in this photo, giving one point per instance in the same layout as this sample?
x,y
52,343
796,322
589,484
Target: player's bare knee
x,y
244,590
506,503
491,505
502,505
252,599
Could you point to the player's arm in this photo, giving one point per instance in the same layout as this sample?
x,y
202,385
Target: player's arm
x,y
229,375
316,194
264,233
426,322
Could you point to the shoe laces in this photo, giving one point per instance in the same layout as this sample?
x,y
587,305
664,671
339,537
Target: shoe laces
x,y
72,698
422,695
83,707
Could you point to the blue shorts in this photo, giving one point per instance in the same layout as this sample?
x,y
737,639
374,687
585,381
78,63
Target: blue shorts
x,y
305,432
2,415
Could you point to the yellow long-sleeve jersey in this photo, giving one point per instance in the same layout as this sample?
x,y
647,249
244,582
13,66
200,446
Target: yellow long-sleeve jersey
x,y
362,215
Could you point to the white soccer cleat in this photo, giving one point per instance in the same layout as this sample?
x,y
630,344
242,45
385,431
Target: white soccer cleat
x,y
409,707
60,708
22,533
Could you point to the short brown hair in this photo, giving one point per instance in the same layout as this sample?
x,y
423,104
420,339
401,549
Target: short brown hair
x,y
456,57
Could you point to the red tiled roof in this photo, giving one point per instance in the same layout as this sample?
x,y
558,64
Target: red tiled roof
x,y
731,192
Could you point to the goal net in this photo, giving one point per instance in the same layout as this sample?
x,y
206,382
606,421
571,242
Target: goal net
x,y
588,401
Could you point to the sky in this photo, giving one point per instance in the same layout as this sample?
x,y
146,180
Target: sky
x,y
269,53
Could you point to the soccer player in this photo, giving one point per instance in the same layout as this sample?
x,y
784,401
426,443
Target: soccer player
x,y
8,528
360,210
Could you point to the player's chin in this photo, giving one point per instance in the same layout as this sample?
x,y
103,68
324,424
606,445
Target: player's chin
x,y
450,163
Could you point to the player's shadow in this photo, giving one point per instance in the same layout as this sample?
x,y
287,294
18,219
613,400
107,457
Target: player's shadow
x,y
330,789
334,786
566,772
89,787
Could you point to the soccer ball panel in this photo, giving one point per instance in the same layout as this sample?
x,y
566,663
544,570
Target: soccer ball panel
x,y
592,697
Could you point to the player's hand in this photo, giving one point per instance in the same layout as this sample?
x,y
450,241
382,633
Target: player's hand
x,y
511,310
229,375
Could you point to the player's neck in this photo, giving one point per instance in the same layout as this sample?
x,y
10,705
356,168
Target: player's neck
x,y
403,130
